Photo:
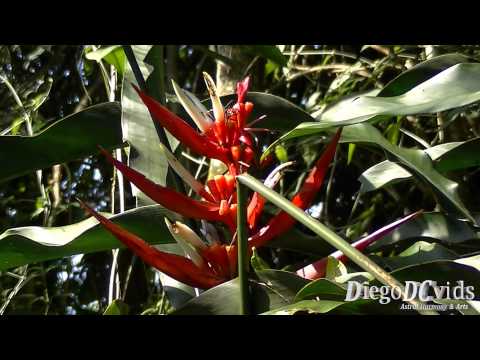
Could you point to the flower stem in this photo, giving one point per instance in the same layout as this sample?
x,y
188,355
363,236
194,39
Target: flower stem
x,y
242,242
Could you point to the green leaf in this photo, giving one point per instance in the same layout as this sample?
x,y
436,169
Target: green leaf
x,y
382,174
434,226
117,307
454,87
274,289
351,151
456,156
281,153
25,245
100,53
421,72
223,299
282,286
71,138
270,52
114,55
118,59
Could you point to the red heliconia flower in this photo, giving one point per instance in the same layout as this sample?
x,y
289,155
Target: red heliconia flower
x,y
224,137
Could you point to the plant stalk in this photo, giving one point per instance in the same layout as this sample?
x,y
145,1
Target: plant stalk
x,y
242,243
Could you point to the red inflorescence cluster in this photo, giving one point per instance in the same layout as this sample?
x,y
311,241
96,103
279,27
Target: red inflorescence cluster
x,y
223,137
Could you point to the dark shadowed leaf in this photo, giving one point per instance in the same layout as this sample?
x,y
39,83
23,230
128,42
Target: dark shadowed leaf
x,y
281,115
76,135
297,240
430,227
419,253
322,288
270,52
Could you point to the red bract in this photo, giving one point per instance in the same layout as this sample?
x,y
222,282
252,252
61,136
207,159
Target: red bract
x,y
199,143
170,198
176,266
283,222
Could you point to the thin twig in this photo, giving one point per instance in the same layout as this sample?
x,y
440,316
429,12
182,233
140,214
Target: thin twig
x,y
21,282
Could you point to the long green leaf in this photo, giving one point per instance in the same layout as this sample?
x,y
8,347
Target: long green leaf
x,y
422,72
454,87
382,174
25,245
71,138
113,54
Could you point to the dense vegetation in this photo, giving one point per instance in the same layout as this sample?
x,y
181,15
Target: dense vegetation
x,y
409,119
